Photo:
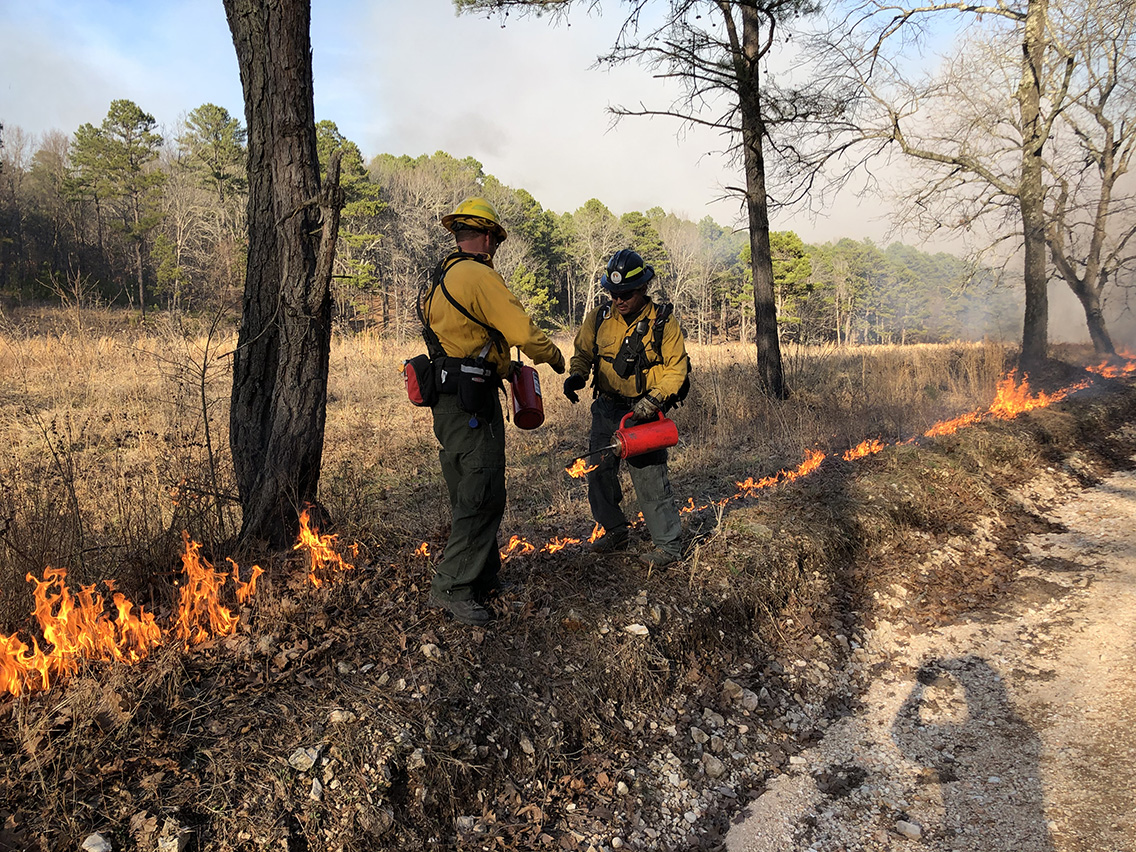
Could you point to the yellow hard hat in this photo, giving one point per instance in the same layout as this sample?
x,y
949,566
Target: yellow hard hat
x,y
477,213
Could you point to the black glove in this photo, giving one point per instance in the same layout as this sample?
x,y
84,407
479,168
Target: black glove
x,y
572,384
646,409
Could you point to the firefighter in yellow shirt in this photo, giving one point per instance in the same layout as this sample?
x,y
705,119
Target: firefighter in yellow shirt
x,y
470,322
637,355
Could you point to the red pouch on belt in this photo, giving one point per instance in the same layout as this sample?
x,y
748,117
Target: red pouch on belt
x,y
421,382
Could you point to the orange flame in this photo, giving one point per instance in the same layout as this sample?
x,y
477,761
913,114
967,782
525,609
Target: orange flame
x,y
423,550
864,448
558,544
76,628
691,506
812,461
1112,370
597,533
245,591
949,427
1012,398
324,560
580,468
201,616
517,544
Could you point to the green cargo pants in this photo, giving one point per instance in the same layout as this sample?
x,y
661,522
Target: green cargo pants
x,y
648,475
473,465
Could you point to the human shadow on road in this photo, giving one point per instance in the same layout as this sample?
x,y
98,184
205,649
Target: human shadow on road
x,y
959,724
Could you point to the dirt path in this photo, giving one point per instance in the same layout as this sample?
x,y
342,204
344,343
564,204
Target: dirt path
x,y
1015,730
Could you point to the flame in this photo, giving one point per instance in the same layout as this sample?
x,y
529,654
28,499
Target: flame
x,y
558,544
517,544
22,669
580,468
324,560
949,427
201,615
1011,399
812,461
76,627
864,448
691,506
245,591
1112,370
79,627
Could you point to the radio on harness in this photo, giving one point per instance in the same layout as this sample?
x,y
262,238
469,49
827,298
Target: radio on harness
x,y
631,359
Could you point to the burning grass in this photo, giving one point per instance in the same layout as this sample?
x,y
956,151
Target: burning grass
x,y
80,627
550,728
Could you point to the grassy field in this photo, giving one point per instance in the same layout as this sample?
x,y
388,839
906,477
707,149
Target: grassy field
x,y
118,440
554,728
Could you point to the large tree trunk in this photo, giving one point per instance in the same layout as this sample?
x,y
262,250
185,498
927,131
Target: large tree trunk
x,y
1098,328
1031,197
281,363
769,367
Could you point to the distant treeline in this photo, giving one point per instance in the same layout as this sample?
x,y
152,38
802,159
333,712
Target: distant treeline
x,y
116,214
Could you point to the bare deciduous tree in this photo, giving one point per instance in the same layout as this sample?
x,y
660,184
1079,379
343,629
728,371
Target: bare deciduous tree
x,y
1024,130
715,50
418,193
594,237
1091,214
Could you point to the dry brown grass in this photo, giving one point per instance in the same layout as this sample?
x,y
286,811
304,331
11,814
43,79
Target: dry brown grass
x,y
108,458
103,426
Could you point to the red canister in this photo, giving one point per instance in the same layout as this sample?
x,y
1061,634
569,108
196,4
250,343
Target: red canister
x,y
528,408
644,437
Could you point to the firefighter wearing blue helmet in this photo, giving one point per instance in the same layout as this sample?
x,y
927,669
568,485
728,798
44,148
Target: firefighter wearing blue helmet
x,y
636,354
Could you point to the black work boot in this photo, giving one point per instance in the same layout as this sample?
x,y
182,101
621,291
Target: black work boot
x,y
658,558
610,543
466,612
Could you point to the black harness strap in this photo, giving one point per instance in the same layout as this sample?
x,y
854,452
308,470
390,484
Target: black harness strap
x,y
662,314
438,279
634,340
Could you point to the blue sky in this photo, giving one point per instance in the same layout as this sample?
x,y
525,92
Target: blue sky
x,y
385,72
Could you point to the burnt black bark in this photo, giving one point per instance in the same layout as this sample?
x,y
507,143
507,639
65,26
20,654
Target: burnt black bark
x,y
280,368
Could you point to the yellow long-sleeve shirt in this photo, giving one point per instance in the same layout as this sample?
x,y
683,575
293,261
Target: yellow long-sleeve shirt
x,y
669,367
477,287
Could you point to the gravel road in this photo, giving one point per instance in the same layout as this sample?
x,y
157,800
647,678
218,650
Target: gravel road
x,y
1014,730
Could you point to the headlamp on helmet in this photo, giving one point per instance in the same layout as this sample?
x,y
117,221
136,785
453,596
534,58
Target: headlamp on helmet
x,y
626,271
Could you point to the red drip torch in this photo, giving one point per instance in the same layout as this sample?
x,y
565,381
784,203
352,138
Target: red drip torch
x,y
645,437
528,407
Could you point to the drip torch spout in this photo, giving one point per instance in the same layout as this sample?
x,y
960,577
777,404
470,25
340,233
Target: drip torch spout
x,y
614,445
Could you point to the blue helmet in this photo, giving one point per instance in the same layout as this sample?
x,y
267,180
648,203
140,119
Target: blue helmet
x,y
626,271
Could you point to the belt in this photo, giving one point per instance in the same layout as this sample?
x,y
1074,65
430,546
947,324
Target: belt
x,y
625,401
